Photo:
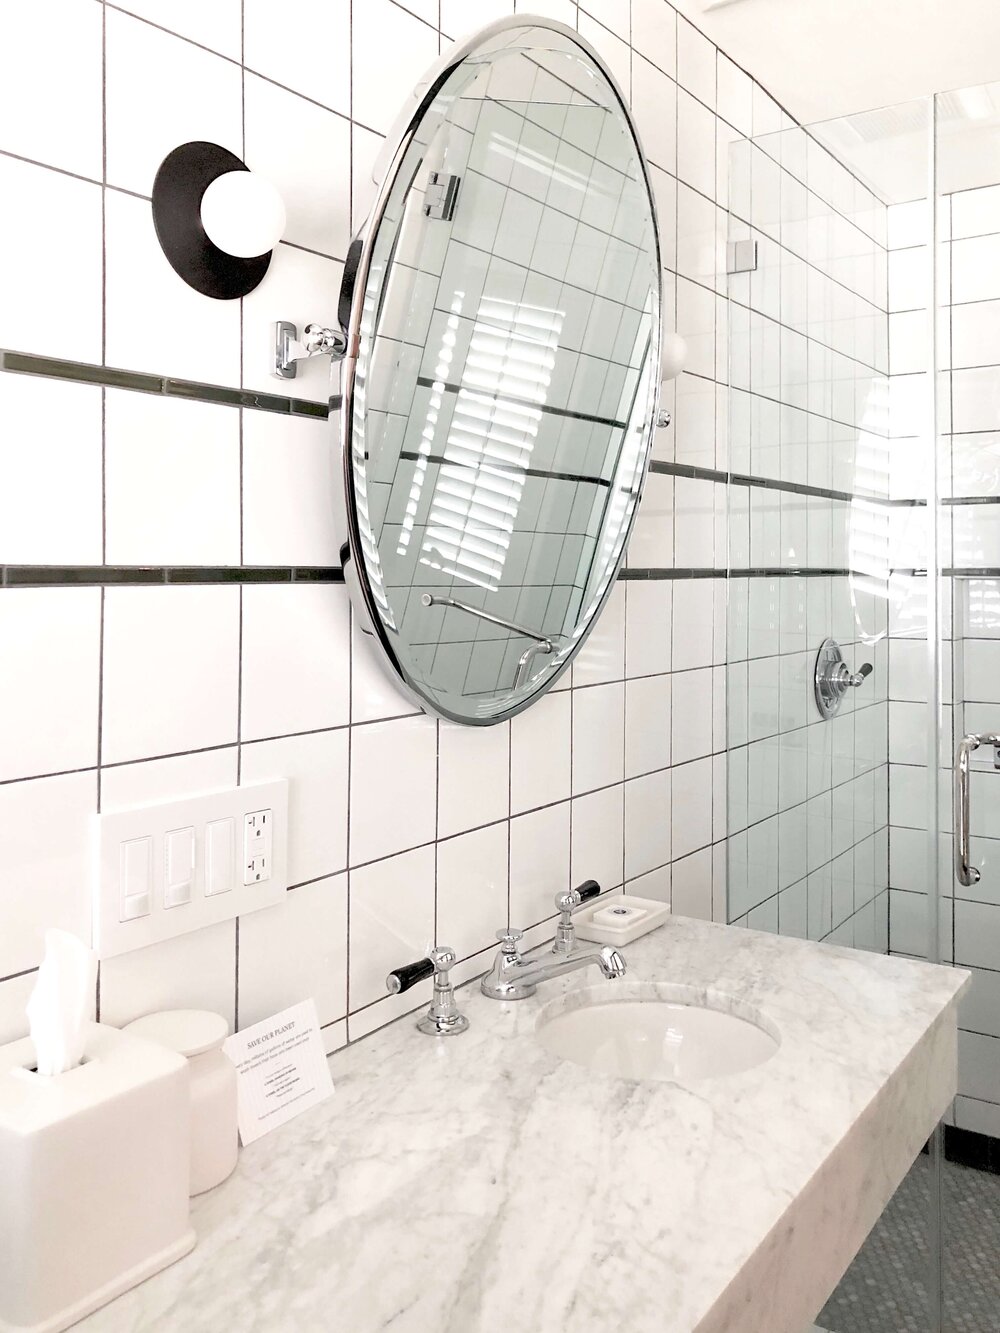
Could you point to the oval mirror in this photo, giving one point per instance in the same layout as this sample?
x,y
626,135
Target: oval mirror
x,y
502,307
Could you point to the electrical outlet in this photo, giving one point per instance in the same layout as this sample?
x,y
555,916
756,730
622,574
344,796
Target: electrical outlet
x,y
258,846
164,870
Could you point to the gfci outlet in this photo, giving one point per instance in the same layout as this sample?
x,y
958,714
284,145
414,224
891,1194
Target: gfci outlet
x,y
258,851
164,870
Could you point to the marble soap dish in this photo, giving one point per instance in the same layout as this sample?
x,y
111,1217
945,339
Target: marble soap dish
x,y
619,920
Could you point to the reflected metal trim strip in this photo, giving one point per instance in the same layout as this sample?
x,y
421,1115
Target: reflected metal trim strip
x,y
425,382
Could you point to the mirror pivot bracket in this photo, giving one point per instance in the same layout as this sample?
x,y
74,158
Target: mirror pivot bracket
x,y
317,340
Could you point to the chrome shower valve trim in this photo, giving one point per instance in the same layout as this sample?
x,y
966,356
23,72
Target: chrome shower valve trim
x,y
833,678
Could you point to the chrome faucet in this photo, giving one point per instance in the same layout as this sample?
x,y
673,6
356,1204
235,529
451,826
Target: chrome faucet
x,y
514,978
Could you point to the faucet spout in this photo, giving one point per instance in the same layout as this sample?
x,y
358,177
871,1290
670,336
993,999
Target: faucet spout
x,y
513,977
611,963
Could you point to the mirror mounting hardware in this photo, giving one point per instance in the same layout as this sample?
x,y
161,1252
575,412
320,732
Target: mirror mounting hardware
x,y
316,341
441,196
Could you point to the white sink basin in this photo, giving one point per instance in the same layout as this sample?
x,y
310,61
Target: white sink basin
x,y
659,1039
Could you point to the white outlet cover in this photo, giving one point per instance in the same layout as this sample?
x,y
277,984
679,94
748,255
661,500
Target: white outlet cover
x,y
112,935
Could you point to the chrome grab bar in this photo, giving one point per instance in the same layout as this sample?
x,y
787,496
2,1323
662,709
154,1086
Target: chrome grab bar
x,y
965,872
541,642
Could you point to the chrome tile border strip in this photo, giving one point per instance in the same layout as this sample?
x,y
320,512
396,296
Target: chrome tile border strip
x,y
110,377
111,576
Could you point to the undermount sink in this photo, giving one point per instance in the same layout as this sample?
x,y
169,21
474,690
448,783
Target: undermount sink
x,y
656,1038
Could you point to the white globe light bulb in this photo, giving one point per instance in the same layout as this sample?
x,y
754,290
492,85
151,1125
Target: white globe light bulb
x,y
243,214
673,355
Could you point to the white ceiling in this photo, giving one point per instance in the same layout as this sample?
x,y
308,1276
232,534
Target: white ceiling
x,y
826,58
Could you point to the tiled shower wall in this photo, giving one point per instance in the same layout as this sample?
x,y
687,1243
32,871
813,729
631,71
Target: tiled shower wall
x,y
969,545
170,613
808,544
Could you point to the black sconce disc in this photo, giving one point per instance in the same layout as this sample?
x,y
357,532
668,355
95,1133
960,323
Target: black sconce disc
x,y
181,181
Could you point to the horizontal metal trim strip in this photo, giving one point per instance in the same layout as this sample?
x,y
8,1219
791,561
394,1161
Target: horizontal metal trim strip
x,y
750,572
54,576
83,372
104,576
425,382
694,472
956,572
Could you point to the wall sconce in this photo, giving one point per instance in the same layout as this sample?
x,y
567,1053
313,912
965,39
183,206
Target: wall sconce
x,y
673,355
217,222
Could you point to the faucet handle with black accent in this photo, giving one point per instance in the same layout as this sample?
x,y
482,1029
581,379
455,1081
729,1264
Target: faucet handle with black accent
x,y
566,905
442,1018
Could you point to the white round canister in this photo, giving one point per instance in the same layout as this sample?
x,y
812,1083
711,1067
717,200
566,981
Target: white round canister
x,y
198,1034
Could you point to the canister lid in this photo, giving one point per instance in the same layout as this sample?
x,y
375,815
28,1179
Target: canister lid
x,y
189,1032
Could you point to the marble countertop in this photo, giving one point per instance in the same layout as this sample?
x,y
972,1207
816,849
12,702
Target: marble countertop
x,y
477,1182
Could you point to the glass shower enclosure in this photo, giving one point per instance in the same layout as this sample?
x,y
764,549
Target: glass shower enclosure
x,y
864,532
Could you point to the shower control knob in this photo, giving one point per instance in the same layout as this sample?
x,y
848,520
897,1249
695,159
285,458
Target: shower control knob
x,y
833,678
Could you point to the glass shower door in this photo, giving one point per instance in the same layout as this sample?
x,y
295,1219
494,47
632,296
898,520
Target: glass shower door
x,y
864,506
966,174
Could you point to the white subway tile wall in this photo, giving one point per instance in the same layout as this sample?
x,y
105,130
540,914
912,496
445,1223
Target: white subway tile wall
x,y
808,539
403,829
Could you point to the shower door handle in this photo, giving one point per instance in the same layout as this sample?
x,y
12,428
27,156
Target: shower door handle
x,y
966,873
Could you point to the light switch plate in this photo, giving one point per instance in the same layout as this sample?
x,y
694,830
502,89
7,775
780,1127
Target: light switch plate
x,y
217,891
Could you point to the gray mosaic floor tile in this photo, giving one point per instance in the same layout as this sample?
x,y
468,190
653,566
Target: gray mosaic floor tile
x,y
885,1288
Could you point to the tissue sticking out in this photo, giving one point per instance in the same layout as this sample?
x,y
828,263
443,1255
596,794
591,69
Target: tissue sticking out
x,y
62,1002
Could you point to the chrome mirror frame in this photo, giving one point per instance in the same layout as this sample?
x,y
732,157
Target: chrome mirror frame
x,y
350,311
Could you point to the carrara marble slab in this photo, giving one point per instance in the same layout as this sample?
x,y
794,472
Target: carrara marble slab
x,y
478,1182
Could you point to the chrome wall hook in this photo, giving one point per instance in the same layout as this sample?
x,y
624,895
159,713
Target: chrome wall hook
x,y
317,340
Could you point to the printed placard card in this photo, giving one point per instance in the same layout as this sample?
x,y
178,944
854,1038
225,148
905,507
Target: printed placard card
x,y
281,1069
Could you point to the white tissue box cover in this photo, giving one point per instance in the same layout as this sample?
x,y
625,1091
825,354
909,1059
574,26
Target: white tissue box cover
x,y
654,915
94,1170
